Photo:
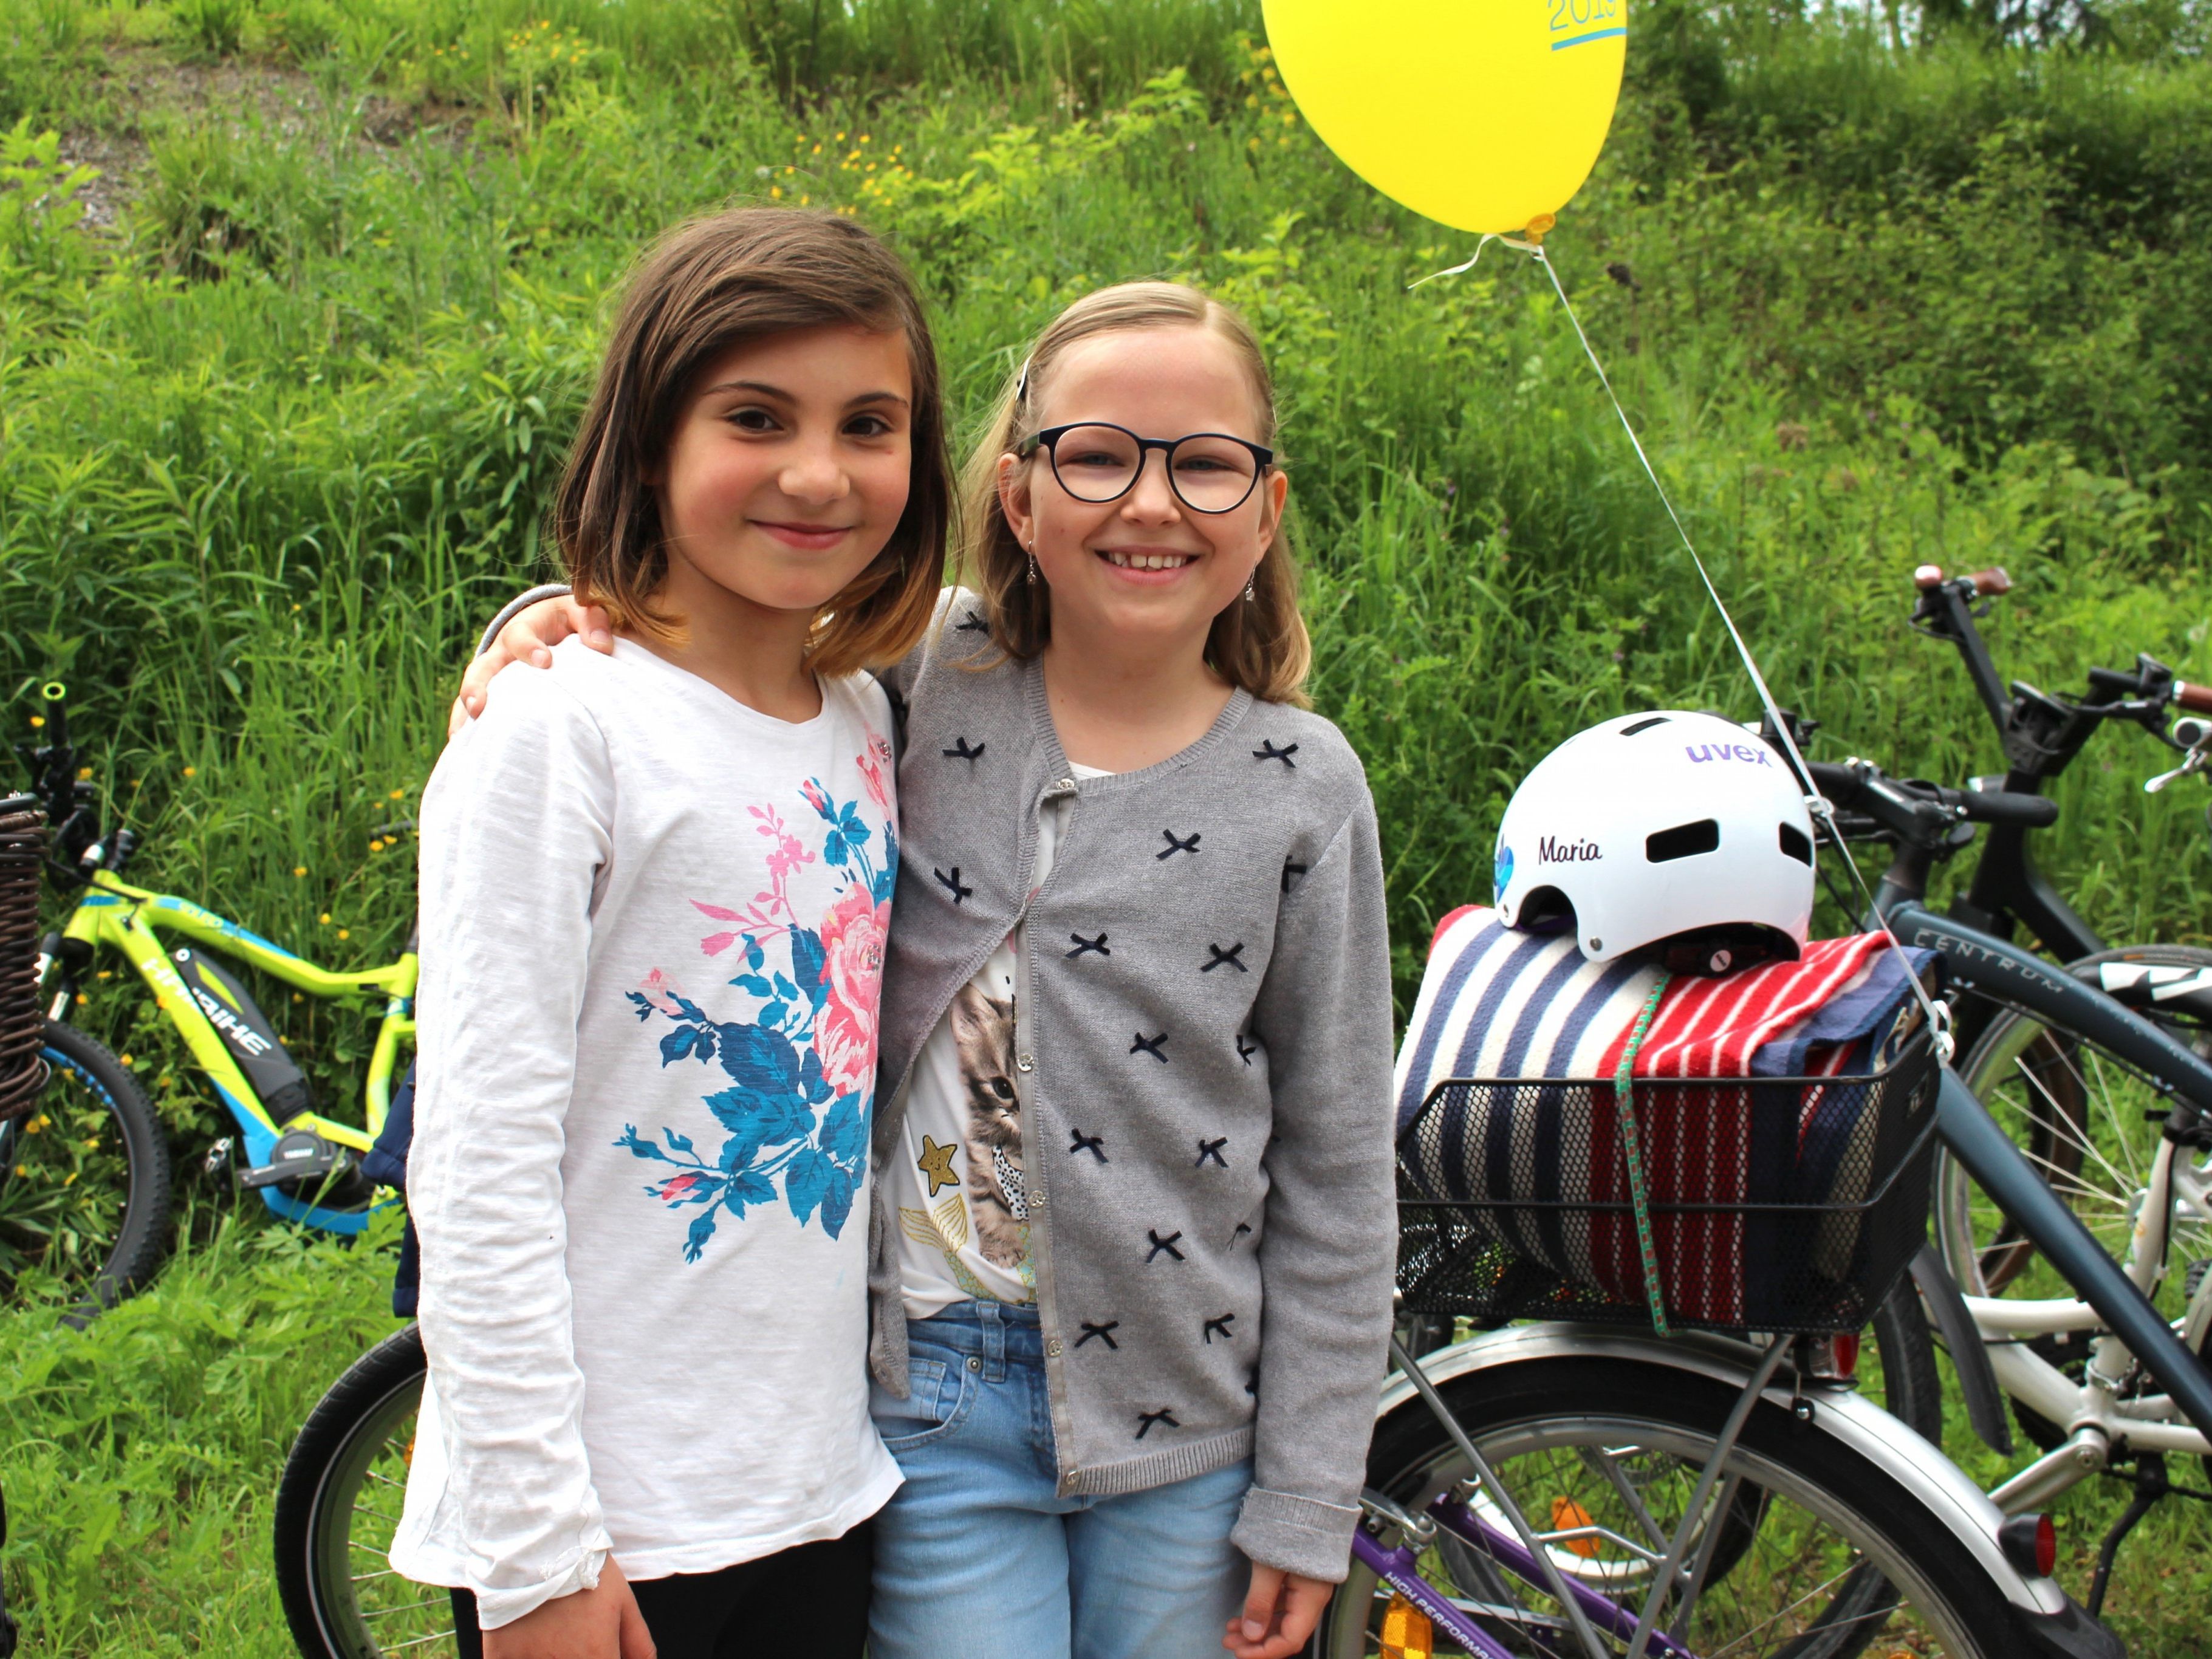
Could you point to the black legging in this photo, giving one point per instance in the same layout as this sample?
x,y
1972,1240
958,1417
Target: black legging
x,y
810,1600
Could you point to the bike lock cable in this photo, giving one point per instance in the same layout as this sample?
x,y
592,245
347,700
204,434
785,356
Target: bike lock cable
x,y
1632,1148
1816,804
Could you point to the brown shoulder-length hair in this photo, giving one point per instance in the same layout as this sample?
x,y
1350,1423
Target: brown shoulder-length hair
x,y
708,285
1259,644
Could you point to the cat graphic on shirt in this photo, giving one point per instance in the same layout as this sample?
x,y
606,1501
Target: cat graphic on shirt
x,y
998,1200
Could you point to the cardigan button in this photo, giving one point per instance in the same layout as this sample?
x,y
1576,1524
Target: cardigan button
x,y
1025,1063
1065,786
1052,1348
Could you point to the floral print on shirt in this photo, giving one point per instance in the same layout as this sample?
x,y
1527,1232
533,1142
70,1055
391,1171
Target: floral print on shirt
x,y
800,1070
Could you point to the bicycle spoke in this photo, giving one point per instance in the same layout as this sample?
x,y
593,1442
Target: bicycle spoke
x,y
408,1606
2120,1134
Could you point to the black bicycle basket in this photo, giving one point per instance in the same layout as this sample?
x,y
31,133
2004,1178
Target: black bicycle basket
x,y
1776,1203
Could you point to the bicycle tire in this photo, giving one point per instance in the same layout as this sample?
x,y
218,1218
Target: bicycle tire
x,y
1607,1406
105,1246
352,1442
2081,1116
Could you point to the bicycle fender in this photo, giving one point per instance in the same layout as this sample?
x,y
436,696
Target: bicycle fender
x,y
1952,1500
1962,1340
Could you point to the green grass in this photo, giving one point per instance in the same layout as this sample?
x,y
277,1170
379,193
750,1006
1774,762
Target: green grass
x,y
277,423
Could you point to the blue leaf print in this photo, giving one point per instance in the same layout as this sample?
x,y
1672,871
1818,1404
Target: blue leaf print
x,y
750,1187
845,1131
759,1059
756,958
680,1143
754,983
641,1148
807,958
702,1229
811,1086
833,849
677,1044
645,1009
774,1014
837,1202
806,1181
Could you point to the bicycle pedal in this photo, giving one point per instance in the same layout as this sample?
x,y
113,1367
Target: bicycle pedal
x,y
303,1165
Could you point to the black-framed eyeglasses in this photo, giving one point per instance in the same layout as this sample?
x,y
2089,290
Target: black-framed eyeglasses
x,y
1098,462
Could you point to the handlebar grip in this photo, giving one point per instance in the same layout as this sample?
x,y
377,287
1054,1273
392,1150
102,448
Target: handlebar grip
x,y
1842,786
1997,806
1928,576
2198,699
1991,582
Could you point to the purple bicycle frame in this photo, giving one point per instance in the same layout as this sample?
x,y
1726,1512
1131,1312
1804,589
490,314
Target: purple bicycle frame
x,y
1400,1568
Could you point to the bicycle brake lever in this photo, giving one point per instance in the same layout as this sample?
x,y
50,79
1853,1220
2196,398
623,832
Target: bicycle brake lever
x,y
2192,762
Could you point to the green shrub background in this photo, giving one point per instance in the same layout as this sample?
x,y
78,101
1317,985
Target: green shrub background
x,y
281,395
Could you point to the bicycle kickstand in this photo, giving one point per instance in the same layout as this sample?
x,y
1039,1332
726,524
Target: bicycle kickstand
x,y
2151,1485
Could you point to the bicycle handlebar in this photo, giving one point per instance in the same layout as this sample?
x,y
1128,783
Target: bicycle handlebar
x,y
1984,584
1921,811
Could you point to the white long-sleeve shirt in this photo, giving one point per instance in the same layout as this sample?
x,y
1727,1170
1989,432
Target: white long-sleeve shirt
x,y
653,923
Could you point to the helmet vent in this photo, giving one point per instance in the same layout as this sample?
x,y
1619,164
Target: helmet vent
x,y
1683,841
1795,844
1642,726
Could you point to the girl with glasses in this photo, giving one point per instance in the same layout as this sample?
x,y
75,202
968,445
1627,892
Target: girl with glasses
x,y
1134,1216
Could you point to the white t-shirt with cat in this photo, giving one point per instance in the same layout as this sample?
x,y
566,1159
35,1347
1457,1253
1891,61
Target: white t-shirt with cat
x,y
963,1210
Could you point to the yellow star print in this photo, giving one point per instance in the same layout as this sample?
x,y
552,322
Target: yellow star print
x,y
936,1162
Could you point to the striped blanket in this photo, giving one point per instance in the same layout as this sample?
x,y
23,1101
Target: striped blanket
x,y
1498,1003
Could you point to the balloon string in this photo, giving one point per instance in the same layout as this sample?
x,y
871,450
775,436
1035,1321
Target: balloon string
x,y
1815,803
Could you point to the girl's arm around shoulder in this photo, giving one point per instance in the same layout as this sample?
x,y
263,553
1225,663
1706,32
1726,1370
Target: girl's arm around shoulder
x,y
1326,1253
517,836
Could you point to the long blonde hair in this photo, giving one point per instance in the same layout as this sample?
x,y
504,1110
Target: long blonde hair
x,y
1259,645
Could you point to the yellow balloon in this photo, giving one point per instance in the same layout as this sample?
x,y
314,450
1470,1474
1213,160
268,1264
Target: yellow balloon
x,y
1486,114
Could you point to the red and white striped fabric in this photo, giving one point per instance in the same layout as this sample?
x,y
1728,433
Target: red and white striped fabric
x,y
1698,1149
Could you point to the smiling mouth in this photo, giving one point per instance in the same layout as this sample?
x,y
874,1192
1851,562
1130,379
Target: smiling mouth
x,y
806,535
1146,560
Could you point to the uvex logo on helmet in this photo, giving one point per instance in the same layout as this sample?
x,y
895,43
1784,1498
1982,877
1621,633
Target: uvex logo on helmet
x,y
1752,754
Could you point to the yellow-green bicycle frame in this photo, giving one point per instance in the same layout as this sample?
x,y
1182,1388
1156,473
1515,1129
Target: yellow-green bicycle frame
x,y
131,919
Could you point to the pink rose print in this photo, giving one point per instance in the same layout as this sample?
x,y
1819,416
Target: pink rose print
x,y
875,765
853,967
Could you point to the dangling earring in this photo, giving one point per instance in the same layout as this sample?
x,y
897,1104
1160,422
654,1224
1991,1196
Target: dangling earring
x,y
1032,567
1248,580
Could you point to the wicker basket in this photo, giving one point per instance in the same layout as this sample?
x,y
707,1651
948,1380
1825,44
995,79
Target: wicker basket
x,y
22,856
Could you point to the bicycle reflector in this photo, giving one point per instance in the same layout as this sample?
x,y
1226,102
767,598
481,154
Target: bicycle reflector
x,y
1406,1632
2030,1542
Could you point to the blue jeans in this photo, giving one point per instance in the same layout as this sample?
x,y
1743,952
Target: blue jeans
x,y
975,1555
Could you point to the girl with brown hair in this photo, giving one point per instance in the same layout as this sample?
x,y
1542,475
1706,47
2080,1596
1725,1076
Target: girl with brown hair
x,y
655,882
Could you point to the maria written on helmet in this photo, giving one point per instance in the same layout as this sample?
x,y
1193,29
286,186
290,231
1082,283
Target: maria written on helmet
x,y
1665,829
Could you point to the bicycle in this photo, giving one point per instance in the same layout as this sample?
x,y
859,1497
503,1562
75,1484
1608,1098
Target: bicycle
x,y
2077,1344
303,1164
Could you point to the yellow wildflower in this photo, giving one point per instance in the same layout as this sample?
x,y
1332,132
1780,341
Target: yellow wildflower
x,y
299,869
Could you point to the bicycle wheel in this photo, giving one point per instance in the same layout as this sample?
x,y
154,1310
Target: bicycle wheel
x,y
1826,1552
338,1507
84,1178
2091,1124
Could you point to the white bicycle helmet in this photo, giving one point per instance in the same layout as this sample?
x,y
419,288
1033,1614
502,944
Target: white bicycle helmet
x,y
1663,828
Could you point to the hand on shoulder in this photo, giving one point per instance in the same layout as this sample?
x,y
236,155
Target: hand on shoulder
x,y
529,638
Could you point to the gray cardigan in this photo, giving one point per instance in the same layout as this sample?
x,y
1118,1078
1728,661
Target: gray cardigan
x,y
1202,1049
